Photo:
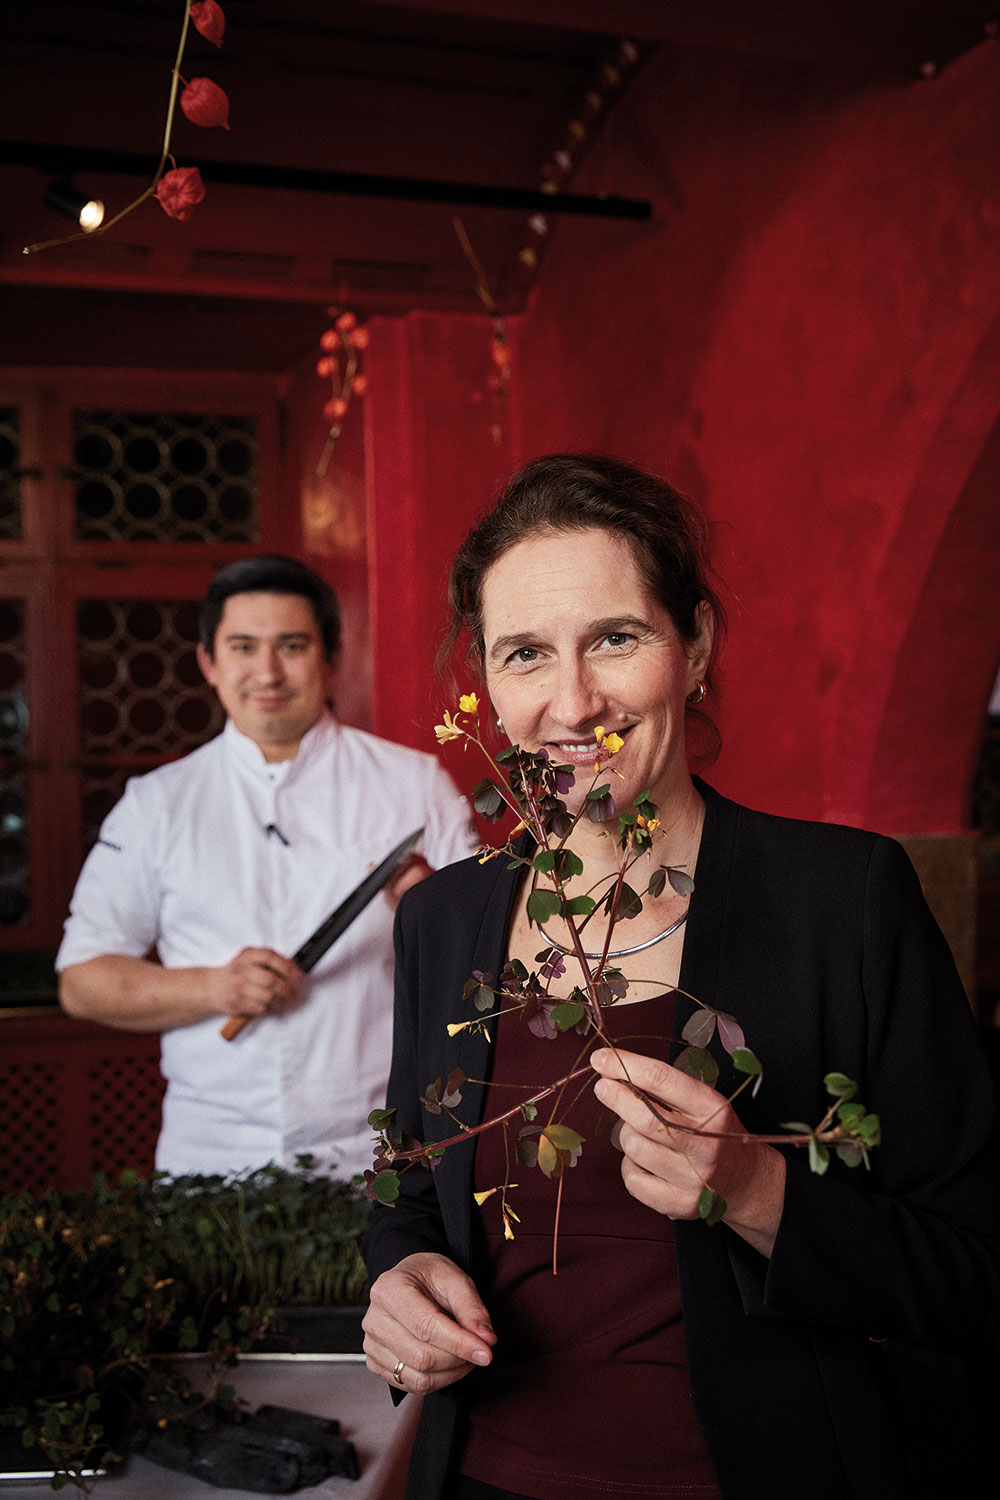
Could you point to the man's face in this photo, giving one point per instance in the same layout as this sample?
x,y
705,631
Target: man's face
x,y
269,670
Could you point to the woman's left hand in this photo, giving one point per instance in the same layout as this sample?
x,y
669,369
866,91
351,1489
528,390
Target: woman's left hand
x,y
668,1169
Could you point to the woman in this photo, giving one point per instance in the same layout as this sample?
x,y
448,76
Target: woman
x,y
586,596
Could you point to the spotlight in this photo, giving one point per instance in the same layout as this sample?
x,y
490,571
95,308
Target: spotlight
x,y
68,200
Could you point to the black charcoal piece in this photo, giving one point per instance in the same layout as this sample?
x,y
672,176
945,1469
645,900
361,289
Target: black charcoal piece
x,y
298,1424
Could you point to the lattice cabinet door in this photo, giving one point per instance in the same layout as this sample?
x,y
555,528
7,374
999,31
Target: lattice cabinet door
x,y
30,898
139,698
75,1099
154,469
119,499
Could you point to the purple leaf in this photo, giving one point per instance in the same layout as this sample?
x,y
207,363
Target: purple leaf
x,y
700,1028
731,1034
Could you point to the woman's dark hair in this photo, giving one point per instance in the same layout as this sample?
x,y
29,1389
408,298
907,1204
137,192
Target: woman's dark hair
x,y
579,492
272,573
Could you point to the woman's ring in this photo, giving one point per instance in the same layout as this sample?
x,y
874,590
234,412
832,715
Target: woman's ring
x,y
397,1373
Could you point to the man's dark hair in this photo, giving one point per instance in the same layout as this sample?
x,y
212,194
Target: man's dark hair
x,y
271,574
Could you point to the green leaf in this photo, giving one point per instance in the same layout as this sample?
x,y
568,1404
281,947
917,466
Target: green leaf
x,y
543,905
745,1062
711,1206
486,799
563,1138
529,1111
597,792
630,904
544,861
850,1153
798,1126
548,1157
681,882
870,1130
840,1085
380,1118
385,1186
698,1063
567,1016
580,906
850,1114
819,1157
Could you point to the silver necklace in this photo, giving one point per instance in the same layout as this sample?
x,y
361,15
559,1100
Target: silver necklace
x,y
620,952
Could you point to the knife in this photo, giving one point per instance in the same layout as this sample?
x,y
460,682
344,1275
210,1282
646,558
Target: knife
x,y
327,933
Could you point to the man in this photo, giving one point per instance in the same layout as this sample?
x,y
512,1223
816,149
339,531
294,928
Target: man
x,y
226,861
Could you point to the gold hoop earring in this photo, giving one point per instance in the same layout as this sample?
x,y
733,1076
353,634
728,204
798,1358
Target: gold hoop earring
x,y
698,696
500,725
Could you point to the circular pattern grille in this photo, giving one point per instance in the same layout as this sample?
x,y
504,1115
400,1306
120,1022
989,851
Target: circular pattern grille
x,y
15,889
10,484
169,477
141,693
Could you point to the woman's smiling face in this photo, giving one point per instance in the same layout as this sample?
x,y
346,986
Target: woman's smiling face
x,y
573,640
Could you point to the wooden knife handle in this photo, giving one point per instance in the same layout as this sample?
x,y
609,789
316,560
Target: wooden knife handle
x,y
234,1026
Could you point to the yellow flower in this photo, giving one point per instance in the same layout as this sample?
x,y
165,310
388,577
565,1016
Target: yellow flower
x,y
482,1197
598,732
468,703
456,1026
653,824
613,743
449,730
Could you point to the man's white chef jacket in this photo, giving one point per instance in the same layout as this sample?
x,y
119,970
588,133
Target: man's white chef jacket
x,y
185,864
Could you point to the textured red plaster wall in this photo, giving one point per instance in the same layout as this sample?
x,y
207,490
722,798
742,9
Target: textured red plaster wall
x,y
804,339
325,522
432,465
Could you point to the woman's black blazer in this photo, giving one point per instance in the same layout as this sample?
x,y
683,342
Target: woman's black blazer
x,y
824,1371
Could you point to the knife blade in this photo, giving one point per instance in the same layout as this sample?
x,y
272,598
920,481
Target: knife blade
x,y
327,933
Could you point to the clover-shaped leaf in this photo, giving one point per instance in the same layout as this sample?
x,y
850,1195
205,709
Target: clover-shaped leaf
x,y
698,1063
731,1034
711,1206
488,801
580,906
565,1017
819,1156
840,1086
699,1029
543,905
382,1187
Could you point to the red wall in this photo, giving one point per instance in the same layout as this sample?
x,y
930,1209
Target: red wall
x,y
806,338
432,466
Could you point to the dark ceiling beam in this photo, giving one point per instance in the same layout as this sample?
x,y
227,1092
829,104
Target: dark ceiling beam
x,y
63,161
889,35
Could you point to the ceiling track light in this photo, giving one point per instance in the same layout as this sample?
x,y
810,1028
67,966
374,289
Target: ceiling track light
x,y
83,210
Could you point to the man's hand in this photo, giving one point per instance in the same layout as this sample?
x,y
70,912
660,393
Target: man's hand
x,y
426,1326
412,872
256,982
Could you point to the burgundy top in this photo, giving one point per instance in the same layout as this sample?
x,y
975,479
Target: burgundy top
x,y
588,1393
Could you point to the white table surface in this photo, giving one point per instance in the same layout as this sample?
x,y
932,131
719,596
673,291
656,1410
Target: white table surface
x,y
324,1387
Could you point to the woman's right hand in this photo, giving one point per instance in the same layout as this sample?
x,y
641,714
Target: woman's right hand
x,y
427,1321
